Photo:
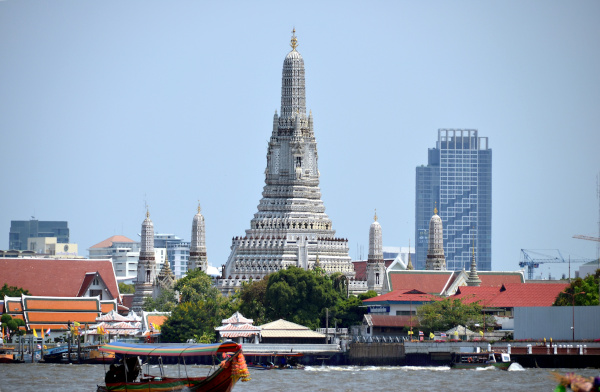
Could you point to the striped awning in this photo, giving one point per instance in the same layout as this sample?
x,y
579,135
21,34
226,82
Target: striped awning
x,y
166,349
238,334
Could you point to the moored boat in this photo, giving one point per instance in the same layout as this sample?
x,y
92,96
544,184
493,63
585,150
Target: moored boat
x,y
127,374
7,354
482,359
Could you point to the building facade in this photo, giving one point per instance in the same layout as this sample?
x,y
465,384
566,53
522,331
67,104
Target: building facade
x,y
291,226
122,251
458,176
20,231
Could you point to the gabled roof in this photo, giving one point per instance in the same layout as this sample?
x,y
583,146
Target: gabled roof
x,y
56,277
283,328
432,282
512,295
498,278
107,243
237,318
528,294
403,296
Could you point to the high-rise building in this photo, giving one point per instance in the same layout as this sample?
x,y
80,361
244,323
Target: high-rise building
x,y
291,226
124,253
20,231
458,176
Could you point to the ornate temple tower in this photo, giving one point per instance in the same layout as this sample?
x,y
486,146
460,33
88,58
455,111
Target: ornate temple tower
x,y
198,244
435,253
473,279
375,263
291,226
146,269
409,265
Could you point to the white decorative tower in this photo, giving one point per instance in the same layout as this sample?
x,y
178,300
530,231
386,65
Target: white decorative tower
x,y
198,244
409,265
375,263
291,226
473,279
435,253
146,269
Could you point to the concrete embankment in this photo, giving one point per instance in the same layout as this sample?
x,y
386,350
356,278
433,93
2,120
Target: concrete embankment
x,y
572,355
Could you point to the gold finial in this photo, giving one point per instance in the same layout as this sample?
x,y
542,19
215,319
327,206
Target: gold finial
x,y
199,209
294,43
375,214
147,212
435,209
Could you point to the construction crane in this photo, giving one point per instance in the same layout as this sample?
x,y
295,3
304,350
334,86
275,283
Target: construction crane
x,y
532,258
586,237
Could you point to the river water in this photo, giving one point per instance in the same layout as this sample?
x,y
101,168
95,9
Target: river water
x,y
59,377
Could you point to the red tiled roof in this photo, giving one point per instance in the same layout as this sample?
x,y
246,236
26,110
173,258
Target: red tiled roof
x,y
55,277
360,268
127,300
497,279
379,320
471,294
432,282
528,294
404,296
512,295
107,243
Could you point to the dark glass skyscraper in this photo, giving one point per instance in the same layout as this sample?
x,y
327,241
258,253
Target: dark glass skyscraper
x,y
20,231
458,177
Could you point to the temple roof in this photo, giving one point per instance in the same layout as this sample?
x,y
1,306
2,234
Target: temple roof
x,y
56,277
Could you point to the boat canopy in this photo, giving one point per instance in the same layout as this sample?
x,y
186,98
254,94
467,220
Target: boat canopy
x,y
173,350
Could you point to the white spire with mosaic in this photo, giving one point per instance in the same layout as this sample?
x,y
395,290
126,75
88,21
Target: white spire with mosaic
x,y
291,226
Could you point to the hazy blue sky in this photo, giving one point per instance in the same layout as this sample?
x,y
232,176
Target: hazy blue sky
x,y
106,105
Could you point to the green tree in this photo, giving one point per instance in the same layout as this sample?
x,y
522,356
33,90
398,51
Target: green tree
x,y
300,296
199,312
448,313
125,288
196,285
192,319
586,292
12,291
367,295
252,301
165,302
349,311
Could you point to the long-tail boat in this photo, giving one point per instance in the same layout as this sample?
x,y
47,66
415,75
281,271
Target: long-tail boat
x,y
482,359
127,374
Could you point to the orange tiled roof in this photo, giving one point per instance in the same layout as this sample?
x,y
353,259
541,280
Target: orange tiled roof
x,y
55,277
52,304
60,317
107,243
156,319
107,306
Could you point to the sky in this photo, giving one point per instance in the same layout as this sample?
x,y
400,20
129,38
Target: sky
x,y
108,106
